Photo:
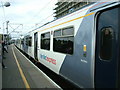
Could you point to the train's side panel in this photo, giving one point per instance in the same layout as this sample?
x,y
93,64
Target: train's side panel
x,y
22,43
54,60
30,51
30,48
32,45
18,43
81,20
25,46
79,68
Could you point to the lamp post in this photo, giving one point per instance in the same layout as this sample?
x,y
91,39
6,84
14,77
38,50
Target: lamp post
x,y
6,4
7,26
7,32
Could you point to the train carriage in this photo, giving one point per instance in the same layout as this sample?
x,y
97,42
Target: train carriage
x,y
83,47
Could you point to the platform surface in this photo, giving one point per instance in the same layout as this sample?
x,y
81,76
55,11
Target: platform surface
x,y
11,77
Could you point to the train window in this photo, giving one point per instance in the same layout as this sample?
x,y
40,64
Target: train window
x,y
22,41
26,40
57,33
68,31
18,41
64,43
45,35
29,41
106,43
45,41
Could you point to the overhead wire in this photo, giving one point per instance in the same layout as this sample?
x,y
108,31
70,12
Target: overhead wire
x,y
43,8
14,28
45,19
41,22
41,11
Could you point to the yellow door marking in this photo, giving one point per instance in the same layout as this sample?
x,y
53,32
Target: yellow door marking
x,y
21,72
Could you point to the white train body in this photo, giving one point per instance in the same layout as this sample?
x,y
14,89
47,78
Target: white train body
x,y
75,61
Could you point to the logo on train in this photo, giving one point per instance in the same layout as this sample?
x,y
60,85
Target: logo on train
x,y
50,60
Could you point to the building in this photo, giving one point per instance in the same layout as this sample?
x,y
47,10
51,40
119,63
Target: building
x,y
65,7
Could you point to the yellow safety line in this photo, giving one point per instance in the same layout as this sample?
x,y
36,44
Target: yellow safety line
x,y
21,72
67,21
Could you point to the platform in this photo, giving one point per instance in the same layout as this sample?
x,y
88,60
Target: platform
x,y
21,73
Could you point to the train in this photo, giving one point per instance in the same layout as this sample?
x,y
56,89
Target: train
x,y
83,46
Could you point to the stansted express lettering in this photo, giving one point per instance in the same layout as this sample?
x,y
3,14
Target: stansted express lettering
x,y
50,60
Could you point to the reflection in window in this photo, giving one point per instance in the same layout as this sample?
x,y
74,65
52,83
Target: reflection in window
x,y
57,33
28,40
68,31
22,41
45,41
18,41
106,43
64,43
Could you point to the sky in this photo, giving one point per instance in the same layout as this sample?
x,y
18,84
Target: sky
x,y
25,15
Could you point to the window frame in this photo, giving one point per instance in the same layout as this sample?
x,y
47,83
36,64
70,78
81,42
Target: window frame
x,y
29,41
45,38
101,58
64,36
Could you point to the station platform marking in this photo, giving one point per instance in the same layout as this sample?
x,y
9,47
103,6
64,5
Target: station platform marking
x,y
40,71
21,72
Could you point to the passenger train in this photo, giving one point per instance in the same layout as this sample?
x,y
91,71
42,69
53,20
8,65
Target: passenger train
x,y
83,46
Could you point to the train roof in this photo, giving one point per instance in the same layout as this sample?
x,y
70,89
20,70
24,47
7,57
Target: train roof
x,y
62,16
108,2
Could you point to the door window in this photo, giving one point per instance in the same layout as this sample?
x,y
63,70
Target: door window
x,y
45,41
106,43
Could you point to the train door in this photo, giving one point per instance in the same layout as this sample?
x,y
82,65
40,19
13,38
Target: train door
x,y
26,45
107,49
35,45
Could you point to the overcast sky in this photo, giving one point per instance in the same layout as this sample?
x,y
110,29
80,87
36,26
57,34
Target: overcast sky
x,y
26,12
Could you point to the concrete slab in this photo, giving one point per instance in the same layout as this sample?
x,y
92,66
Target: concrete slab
x,y
12,77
